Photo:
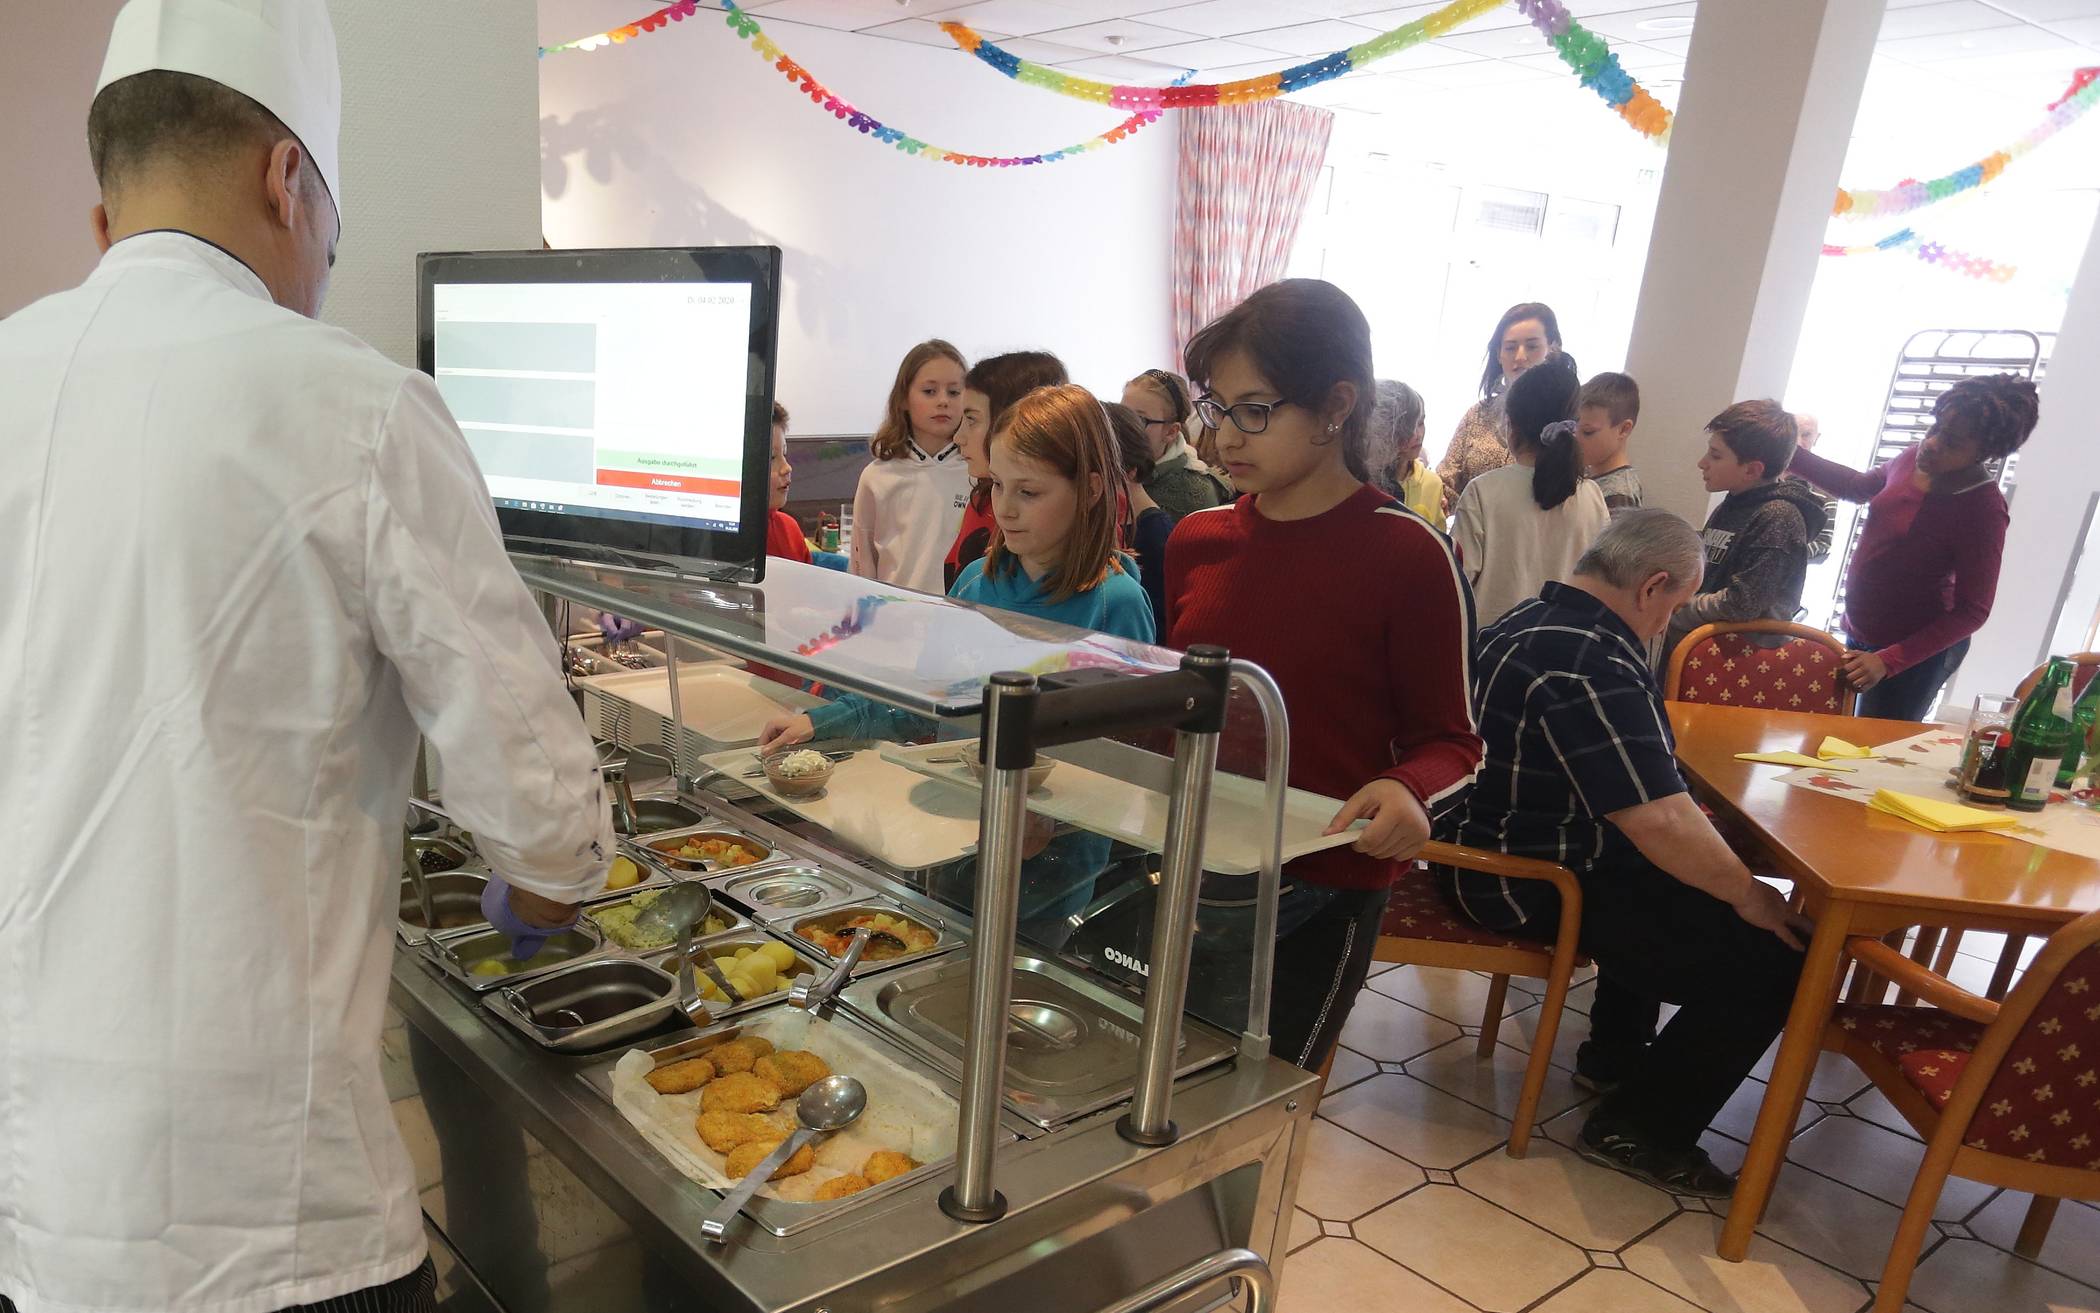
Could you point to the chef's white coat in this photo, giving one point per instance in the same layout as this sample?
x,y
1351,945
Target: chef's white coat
x,y
243,560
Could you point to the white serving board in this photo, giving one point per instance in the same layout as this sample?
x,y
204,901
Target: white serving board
x,y
1120,791
724,705
891,813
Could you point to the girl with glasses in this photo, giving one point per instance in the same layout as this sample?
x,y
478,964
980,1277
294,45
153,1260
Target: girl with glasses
x,y
1353,604
1524,525
1180,481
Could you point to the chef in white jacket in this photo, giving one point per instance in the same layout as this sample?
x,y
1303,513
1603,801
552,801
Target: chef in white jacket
x,y
244,561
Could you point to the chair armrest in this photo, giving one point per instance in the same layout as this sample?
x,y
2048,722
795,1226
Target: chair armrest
x,y
1937,990
1488,862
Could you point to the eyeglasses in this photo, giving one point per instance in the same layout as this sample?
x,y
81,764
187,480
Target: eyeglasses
x,y
1152,423
1249,417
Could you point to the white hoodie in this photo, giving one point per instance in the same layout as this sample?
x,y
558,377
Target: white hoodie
x,y
906,514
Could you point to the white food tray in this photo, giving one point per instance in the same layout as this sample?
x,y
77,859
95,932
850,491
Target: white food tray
x,y
893,814
724,706
1117,790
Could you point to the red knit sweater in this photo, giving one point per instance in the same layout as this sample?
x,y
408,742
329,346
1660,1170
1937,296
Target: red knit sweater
x,y
784,538
1363,620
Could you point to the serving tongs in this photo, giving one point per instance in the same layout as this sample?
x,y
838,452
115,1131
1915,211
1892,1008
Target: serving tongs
x,y
821,997
677,910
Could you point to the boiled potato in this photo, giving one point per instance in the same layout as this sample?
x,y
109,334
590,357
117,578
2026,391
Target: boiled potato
x,y
782,957
745,951
761,971
625,874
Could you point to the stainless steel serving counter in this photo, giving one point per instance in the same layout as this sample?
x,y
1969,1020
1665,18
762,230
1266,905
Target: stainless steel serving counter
x,y
557,1204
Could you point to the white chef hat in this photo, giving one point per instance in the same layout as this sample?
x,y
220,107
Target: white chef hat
x,y
278,53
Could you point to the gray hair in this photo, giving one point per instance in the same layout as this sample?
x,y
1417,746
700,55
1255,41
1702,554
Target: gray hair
x,y
1644,542
1395,411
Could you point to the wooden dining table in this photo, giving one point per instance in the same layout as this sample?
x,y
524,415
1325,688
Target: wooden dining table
x,y
1856,871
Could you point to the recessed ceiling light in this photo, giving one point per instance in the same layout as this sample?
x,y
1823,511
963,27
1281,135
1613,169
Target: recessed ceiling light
x,y
1666,23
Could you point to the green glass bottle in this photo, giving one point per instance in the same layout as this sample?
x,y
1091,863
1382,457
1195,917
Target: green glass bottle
x,y
2041,735
2084,713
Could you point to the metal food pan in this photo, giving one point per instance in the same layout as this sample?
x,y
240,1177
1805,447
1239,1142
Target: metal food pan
x,y
456,953
456,893
778,895
731,921
831,919
663,848
805,965
588,1005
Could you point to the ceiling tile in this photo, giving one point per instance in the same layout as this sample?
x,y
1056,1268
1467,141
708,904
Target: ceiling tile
x,y
1139,71
1507,41
1344,9
1947,16
1645,24
1679,46
1043,52
2015,40
2036,11
924,32
1225,17
1121,36
1013,17
1255,69
845,15
2079,29
1385,20
1093,11
1213,53
1315,38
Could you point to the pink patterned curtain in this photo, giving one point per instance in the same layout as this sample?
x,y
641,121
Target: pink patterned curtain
x,y
1246,173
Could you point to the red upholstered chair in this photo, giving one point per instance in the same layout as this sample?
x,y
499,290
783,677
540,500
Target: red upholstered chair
x,y
2004,1093
1722,663
1420,929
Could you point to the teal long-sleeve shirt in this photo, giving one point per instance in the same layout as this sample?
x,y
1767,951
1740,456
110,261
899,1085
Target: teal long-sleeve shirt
x,y
1117,605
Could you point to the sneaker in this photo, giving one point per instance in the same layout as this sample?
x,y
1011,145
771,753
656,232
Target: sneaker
x,y
1600,1071
1680,1171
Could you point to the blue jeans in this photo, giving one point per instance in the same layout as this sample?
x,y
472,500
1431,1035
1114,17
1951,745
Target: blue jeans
x,y
1913,694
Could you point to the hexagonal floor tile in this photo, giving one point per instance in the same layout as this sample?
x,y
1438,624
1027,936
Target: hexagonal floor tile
x,y
1346,1176
1578,1201
1419,1122
1493,1259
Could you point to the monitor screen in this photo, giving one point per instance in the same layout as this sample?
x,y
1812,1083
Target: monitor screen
x,y
618,400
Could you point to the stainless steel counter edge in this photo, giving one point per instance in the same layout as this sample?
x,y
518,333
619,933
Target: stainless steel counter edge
x,y
1042,1178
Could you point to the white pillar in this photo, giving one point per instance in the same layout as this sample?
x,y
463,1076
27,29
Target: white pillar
x,y
1770,92
2055,483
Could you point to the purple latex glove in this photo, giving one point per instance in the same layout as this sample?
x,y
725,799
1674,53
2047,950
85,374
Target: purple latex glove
x,y
526,939
618,629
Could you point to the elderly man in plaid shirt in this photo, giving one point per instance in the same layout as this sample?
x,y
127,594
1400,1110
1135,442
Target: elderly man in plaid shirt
x,y
1581,769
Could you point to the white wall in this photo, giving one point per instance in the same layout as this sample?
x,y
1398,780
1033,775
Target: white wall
x,y
687,138
439,147
49,56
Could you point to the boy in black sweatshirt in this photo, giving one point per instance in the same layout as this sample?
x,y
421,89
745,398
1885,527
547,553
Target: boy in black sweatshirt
x,y
1756,540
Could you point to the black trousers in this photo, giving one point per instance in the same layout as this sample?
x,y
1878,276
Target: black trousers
x,y
1657,940
1320,969
414,1293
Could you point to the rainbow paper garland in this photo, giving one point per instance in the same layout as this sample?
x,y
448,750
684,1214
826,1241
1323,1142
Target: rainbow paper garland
x,y
656,22
1189,96
2065,110
1585,52
1933,253
876,130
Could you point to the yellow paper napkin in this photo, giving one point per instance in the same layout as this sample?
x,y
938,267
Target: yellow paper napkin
x,y
1833,747
1933,814
1788,759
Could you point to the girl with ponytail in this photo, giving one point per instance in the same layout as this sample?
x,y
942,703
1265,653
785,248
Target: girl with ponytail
x,y
1524,525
